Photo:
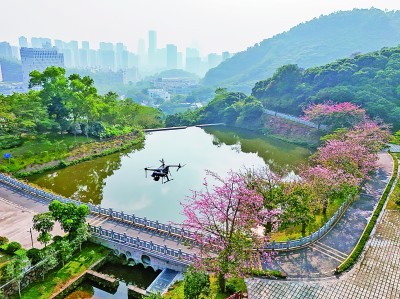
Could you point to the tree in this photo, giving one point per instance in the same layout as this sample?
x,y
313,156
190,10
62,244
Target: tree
x,y
224,219
44,224
16,270
70,216
298,204
335,115
81,235
195,283
65,251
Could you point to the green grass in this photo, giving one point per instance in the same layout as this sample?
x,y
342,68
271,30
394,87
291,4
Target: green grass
x,y
36,150
57,278
177,292
395,196
294,232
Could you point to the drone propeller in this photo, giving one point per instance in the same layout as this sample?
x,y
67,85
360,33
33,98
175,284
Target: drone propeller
x,y
180,166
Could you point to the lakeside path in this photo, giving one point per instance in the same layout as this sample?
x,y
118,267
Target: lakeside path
x,y
376,274
322,257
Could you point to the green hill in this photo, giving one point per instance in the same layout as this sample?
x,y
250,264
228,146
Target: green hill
x,y
313,43
370,80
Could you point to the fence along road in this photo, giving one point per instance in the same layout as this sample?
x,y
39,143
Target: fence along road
x,y
105,223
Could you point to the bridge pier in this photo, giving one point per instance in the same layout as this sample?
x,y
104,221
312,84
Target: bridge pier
x,y
139,256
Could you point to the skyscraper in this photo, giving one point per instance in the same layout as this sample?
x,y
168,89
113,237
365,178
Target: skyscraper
x,y
152,47
39,59
172,56
23,42
85,45
5,50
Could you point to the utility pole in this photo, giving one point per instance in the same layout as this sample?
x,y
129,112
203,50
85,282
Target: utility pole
x,y
30,231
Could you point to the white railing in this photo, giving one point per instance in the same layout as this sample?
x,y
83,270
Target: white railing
x,y
135,242
116,215
293,244
295,119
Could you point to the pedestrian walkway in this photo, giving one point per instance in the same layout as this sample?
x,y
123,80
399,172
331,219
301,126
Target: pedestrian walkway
x,y
376,276
321,258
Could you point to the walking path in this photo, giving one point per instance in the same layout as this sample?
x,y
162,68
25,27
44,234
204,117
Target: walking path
x,y
376,275
322,257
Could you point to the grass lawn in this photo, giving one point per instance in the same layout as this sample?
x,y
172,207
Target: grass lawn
x,y
58,277
39,151
294,232
177,291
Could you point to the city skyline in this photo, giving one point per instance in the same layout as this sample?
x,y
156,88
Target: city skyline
x,y
210,26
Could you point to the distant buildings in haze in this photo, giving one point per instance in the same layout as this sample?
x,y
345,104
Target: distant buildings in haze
x,y
16,62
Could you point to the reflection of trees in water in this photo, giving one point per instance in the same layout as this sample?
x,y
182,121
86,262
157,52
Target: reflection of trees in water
x,y
84,181
91,182
274,152
83,291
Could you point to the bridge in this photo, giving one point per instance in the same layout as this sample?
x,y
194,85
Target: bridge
x,y
139,240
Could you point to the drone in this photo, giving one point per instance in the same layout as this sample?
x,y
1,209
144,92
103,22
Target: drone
x,y
162,172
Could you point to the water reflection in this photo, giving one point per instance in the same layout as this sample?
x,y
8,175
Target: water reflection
x,y
119,181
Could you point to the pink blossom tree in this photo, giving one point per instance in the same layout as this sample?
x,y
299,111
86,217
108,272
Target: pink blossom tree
x,y
325,183
348,157
335,115
225,219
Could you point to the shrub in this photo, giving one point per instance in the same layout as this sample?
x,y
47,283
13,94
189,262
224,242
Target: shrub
x,y
13,247
34,255
57,239
3,240
230,288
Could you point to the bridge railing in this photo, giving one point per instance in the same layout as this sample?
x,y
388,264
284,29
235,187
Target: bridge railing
x,y
292,244
136,242
295,119
167,228
117,215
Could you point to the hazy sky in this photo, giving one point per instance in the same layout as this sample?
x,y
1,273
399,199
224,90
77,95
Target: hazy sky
x,y
213,25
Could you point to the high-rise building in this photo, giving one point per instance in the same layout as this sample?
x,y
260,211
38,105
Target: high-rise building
x,y
213,60
193,60
59,44
39,59
152,50
226,55
107,56
23,42
40,42
5,50
172,56
11,71
73,46
85,45
83,58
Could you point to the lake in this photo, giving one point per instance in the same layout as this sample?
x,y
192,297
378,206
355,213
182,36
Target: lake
x,y
119,180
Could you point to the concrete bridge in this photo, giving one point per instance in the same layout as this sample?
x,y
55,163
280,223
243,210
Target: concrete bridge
x,y
138,240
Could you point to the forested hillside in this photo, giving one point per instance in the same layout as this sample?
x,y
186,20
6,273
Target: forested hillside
x,y
313,43
371,81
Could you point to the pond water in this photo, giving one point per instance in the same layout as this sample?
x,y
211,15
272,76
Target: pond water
x,y
127,275
119,181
